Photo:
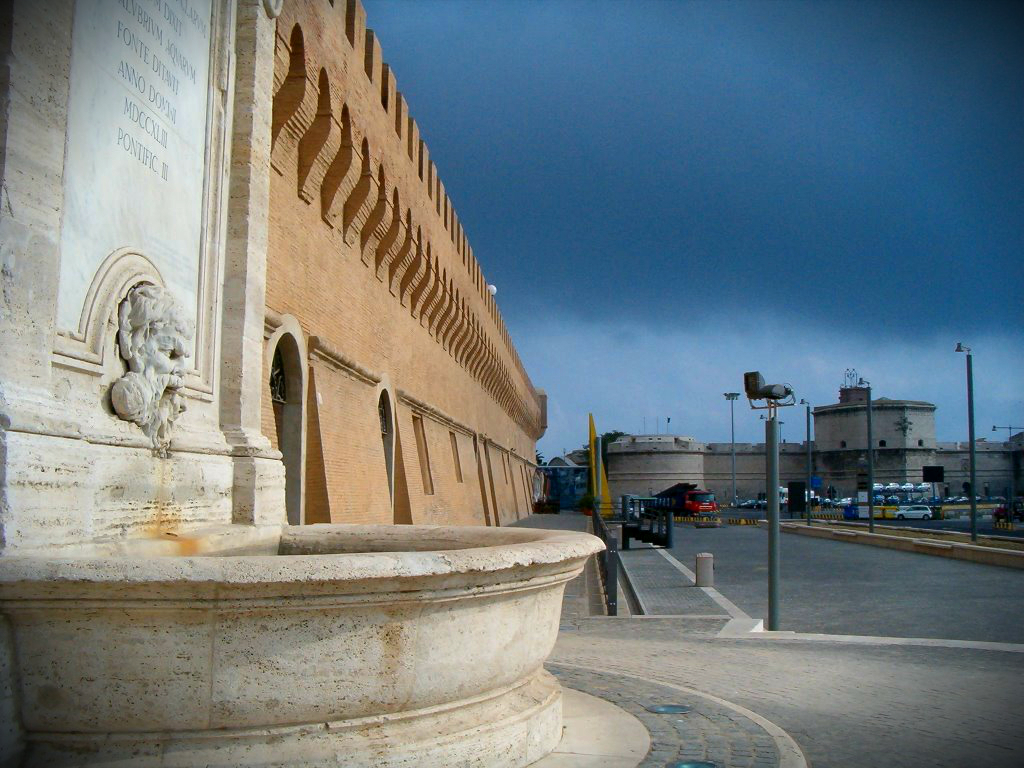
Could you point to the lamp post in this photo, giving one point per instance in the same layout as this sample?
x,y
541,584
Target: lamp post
x,y
1012,490
774,396
808,446
970,436
871,462
731,397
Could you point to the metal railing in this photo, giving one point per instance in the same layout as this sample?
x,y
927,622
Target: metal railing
x,y
608,561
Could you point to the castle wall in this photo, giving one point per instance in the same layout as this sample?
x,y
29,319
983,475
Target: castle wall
x,y
366,254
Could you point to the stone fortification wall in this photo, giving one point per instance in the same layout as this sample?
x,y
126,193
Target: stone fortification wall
x,y
371,275
648,464
894,424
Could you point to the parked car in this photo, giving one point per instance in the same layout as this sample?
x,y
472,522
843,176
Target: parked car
x,y
999,514
918,511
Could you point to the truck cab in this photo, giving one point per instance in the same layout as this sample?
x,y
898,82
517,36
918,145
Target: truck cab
x,y
687,500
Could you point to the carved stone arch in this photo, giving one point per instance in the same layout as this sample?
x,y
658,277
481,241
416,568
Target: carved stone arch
x,y
286,378
122,270
387,415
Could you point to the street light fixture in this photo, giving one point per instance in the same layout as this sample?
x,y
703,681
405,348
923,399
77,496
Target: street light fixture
x,y
774,397
732,397
970,436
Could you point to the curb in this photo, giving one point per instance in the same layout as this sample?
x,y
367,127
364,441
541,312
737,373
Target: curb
x,y
955,550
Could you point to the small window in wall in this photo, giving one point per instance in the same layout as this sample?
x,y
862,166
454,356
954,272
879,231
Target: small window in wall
x,y
455,456
920,443
881,443
842,443
424,457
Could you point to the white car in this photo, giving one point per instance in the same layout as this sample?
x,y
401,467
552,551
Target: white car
x,y
919,511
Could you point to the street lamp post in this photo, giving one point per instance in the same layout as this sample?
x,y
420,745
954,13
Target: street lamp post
x,y
970,436
731,397
871,462
1012,491
774,396
807,444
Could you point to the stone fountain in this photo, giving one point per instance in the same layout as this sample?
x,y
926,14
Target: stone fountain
x,y
286,645
156,609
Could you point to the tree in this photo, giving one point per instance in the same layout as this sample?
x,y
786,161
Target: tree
x,y
540,459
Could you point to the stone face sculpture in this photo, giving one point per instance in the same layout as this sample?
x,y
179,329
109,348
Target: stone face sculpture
x,y
151,337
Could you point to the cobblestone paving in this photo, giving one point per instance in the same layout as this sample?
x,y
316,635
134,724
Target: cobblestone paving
x,y
662,589
708,732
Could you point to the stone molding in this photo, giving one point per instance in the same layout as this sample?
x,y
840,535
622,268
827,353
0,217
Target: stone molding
x,y
321,350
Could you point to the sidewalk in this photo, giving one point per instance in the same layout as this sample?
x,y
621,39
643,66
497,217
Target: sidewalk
x,y
760,701
712,729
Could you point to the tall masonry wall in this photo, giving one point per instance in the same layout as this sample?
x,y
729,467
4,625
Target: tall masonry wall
x,y
373,285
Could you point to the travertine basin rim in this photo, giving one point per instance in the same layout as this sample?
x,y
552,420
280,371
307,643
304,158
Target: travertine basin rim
x,y
287,563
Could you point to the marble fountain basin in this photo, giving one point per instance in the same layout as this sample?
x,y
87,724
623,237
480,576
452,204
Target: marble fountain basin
x,y
341,645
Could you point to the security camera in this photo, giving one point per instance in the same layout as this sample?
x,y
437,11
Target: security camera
x,y
756,389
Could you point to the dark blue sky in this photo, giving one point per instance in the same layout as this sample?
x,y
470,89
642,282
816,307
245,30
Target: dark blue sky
x,y
715,180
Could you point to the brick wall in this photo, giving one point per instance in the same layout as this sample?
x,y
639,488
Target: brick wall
x,y
367,253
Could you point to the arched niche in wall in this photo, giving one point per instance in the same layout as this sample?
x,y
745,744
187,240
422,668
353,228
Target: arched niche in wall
x,y
386,416
286,388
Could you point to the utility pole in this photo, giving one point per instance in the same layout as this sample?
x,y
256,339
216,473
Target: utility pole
x,y
970,436
871,462
731,397
807,444
774,396
771,444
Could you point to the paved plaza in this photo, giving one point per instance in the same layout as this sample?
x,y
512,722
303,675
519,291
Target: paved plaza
x,y
841,702
844,588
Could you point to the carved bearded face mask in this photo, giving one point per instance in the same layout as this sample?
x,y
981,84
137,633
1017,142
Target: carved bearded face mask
x,y
152,339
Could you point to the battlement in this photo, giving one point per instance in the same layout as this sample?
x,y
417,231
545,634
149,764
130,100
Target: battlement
x,y
341,127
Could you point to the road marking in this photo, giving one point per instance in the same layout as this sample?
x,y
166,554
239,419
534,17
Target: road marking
x,y
730,607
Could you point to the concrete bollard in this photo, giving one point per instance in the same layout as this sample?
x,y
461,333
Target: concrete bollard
x,y
705,569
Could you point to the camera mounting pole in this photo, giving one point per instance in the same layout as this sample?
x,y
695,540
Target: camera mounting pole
x,y
774,396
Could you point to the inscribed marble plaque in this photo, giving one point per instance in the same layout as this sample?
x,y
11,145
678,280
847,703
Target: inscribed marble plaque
x,y
136,143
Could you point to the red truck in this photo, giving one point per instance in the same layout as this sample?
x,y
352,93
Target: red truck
x,y
690,501
999,515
